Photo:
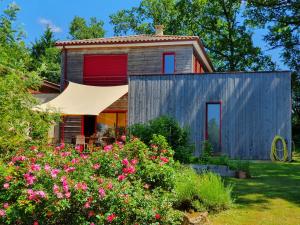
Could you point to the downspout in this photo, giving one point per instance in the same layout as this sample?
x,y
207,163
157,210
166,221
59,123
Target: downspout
x,y
64,84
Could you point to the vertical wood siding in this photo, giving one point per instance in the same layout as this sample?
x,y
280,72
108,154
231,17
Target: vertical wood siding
x,y
140,60
255,107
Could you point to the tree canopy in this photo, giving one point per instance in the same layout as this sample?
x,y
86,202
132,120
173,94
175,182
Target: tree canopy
x,y
227,39
79,29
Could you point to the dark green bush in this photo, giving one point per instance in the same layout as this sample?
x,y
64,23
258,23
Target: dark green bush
x,y
177,137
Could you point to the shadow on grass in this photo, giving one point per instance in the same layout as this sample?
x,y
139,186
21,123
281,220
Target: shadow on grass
x,y
269,181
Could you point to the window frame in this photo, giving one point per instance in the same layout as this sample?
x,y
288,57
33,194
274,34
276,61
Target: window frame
x,y
163,61
220,118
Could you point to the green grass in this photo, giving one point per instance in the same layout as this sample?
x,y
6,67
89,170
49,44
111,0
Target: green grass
x,y
270,197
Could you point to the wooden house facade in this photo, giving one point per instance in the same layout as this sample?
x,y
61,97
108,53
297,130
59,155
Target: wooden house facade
x,y
172,75
110,61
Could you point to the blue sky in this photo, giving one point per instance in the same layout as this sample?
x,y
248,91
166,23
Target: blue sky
x,y
36,14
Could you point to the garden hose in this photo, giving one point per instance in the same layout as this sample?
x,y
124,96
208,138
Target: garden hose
x,y
274,156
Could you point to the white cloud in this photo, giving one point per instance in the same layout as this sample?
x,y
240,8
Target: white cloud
x,y
50,24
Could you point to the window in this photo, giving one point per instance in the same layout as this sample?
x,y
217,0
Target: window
x,y
169,62
112,123
213,125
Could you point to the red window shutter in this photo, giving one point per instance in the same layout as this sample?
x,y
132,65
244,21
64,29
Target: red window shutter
x,y
105,70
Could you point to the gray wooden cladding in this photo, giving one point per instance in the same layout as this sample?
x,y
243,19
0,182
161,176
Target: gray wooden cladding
x,y
140,60
255,107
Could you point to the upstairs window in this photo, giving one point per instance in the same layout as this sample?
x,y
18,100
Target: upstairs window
x,y
169,62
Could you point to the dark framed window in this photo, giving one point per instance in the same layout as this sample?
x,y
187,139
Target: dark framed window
x,y
213,124
169,62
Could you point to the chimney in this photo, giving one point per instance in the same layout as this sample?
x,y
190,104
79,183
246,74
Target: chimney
x,y
159,30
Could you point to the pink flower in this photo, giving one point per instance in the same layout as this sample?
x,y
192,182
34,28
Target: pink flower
x,y
92,224
129,170
69,169
65,154
55,189
91,213
6,185
35,167
30,179
36,223
33,148
54,173
108,148
101,192
2,213
87,205
121,177
75,161
5,205
84,156
123,138
164,159
96,166
81,186
110,186
62,145
111,217
59,195
157,216
41,194
125,162
47,168
134,161
19,158
68,194
40,155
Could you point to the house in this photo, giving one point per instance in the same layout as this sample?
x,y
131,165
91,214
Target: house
x,y
239,113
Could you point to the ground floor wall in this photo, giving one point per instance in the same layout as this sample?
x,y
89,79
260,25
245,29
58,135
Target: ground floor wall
x,y
254,107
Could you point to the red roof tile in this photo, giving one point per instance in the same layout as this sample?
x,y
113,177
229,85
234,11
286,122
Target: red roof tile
x,y
128,39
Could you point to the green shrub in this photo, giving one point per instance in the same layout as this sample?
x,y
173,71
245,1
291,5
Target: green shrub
x,y
177,137
201,192
207,150
120,184
213,193
240,165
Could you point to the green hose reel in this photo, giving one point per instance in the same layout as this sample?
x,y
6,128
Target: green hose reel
x,y
274,150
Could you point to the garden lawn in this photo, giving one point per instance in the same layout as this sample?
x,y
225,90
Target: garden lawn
x,y
270,197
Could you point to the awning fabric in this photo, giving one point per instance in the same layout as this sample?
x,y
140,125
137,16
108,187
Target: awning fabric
x,y
78,99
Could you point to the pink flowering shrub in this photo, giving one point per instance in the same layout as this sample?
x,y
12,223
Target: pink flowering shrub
x,y
121,184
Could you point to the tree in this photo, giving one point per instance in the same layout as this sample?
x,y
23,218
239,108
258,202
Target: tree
x,y
46,58
79,29
20,125
282,20
228,41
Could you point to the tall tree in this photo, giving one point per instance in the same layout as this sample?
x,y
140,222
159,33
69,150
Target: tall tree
x,y
79,29
282,20
218,23
20,125
46,58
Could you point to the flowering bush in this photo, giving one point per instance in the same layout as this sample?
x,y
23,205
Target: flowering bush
x,y
121,184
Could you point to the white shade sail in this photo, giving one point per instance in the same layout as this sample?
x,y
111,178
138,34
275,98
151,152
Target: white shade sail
x,y
79,99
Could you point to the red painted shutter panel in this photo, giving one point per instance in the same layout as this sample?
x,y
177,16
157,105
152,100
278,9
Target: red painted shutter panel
x,y
105,70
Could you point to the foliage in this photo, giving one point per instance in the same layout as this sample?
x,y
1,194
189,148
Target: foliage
x,y
282,21
240,165
177,137
46,58
19,124
79,29
207,150
201,192
228,41
121,184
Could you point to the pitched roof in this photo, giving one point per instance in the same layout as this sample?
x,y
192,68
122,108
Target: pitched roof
x,y
129,39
